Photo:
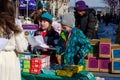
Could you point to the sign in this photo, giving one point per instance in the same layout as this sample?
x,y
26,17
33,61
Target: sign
x,y
29,29
23,4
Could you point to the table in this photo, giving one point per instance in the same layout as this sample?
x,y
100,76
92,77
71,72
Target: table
x,y
28,76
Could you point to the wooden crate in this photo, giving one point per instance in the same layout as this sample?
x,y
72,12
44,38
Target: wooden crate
x,y
104,64
93,64
115,66
116,54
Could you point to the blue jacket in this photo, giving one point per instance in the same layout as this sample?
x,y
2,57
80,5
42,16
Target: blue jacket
x,y
77,44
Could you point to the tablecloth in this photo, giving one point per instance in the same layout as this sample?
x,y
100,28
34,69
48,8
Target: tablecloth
x,y
28,76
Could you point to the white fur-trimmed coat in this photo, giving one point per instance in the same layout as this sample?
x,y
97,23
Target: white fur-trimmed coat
x,y
9,62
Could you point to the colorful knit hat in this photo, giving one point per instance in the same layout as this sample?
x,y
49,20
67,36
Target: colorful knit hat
x,y
47,16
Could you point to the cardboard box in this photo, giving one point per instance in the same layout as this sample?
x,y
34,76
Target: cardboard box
x,y
42,61
115,46
105,40
36,61
115,66
116,54
95,48
25,55
26,64
35,71
104,65
94,52
36,66
105,50
74,68
64,73
26,61
26,70
93,64
48,71
94,41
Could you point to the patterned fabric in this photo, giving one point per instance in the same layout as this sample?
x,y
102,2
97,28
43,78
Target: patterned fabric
x,y
77,44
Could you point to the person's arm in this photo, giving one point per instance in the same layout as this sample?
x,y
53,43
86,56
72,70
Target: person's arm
x,y
60,48
84,45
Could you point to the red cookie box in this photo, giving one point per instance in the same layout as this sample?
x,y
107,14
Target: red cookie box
x,y
40,62
35,71
36,61
36,66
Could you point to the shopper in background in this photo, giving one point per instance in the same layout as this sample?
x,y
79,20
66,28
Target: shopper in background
x,y
73,44
85,19
50,36
9,62
36,14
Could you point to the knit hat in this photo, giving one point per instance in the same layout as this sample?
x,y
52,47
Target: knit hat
x,y
81,6
47,16
39,5
68,19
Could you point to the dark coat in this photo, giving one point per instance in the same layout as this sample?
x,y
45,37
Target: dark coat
x,y
51,37
87,24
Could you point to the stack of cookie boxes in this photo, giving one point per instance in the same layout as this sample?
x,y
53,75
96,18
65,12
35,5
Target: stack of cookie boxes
x,y
115,59
33,65
104,54
37,64
92,61
100,56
